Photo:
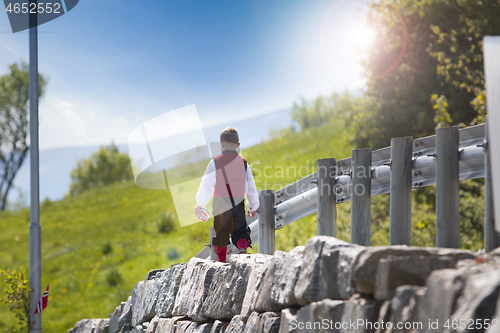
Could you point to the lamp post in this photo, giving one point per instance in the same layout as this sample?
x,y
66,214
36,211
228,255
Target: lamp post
x,y
35,228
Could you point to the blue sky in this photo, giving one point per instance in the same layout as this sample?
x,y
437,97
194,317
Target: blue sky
x,y
113,65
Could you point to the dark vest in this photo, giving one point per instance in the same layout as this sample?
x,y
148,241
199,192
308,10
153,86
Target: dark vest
x,y
230,176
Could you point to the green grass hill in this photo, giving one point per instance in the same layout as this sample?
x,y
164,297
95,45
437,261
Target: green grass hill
x,y
97,245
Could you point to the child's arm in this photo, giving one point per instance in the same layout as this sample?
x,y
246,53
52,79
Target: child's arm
x,y
251,193
206,190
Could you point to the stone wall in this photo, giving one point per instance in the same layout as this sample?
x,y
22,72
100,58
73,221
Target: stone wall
x,y
326,286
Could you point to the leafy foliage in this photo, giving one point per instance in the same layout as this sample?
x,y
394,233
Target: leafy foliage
x,y
457,45
442,57
440,105
17,296
14,124
322,110
105,167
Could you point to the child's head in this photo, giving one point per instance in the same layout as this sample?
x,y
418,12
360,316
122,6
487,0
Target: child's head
x,y
229,138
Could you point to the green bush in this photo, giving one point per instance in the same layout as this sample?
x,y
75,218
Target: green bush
x,y
107,248
114,277
17,296
105,167
166,222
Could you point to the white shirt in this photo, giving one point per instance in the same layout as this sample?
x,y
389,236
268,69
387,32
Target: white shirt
x,y
207,185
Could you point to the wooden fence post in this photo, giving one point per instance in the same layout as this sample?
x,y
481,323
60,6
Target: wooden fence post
x,y
401,169
491,236
447,209
266,222
327,210
361,196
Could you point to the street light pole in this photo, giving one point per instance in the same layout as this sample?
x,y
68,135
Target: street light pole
x,y
35,228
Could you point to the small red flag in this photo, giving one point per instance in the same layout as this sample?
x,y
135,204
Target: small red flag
x,y
42,304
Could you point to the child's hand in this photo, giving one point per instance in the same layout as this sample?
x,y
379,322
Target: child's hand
x,y
197,210
251,214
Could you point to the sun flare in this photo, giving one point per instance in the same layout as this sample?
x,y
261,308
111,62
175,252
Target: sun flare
x,y
361,36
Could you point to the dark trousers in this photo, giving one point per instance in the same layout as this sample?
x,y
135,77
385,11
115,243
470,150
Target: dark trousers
x,y
230,222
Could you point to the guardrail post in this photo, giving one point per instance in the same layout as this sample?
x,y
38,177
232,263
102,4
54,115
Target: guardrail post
x,y
327,210
361,162
447,209
266,222
213,255
491,236
401,168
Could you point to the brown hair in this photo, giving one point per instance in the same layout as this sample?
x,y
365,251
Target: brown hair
x,y
229,134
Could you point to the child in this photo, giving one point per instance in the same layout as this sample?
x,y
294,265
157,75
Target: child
x,y
228,179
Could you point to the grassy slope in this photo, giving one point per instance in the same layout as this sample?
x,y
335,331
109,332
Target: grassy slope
x,y
77,231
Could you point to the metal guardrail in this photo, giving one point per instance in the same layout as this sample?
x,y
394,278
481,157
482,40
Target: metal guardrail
x,y
299,199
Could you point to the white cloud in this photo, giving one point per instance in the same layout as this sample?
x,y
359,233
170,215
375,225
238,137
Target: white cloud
x,y
66,123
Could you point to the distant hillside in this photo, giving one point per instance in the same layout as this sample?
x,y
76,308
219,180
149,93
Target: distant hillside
x,y
56,164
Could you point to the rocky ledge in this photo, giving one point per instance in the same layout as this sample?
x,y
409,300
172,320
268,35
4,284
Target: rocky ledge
x,y
327,286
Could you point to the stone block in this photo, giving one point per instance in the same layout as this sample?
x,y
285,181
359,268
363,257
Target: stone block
x,y
443,288
478,300
393,272
236,325
157,292
251,322
326,270
164,325
360,311
126,316
146,296
204,328
263,301
152,325
184,326
286,274
254,284
170,281
320,316
218,326
228,287
91,326
405,309
288,320
366,264
384,316
194,288
167,325
114,317
268,322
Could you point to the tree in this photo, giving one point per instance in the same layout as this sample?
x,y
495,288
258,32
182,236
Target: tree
x,y
409,98
104,167
14,124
